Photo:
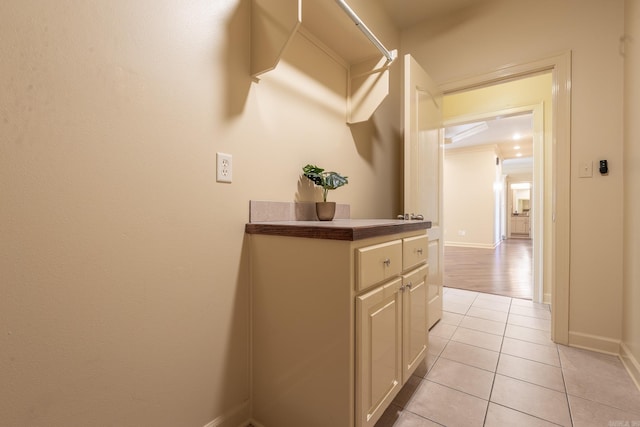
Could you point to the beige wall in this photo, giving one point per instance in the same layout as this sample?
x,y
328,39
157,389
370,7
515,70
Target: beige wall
x,y
503,32
124,297
469,176
631,295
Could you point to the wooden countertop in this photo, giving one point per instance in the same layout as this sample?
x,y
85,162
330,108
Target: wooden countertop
x,y
338,229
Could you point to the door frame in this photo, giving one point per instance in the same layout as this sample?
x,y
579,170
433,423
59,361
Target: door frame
x,y
560,67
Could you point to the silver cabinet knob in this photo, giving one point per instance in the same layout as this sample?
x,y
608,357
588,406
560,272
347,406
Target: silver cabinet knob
x,y
387,262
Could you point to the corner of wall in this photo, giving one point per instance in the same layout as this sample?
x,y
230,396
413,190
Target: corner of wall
x,y
239,416
631,363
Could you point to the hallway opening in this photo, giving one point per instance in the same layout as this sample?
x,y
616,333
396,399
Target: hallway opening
x,y
480,210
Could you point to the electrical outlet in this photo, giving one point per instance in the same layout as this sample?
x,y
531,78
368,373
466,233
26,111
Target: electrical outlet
x,y
224,170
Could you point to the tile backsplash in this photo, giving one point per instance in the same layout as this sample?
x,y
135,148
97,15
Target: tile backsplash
x,y
266,211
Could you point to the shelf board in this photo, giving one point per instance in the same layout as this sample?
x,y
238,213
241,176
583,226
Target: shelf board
x,y
274,23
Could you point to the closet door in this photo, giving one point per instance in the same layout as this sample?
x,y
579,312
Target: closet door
x,y
423,158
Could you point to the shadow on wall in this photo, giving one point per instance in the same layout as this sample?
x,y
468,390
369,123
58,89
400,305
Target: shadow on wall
x,y
365,135
236,360
308,191
238,59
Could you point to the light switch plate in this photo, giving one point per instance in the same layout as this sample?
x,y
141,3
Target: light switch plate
x,y
586,169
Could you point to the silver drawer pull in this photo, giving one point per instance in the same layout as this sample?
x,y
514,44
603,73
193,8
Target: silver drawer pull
x,y
409,285
387,262
419,251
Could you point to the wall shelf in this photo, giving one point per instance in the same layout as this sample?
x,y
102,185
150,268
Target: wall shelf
x,y
274,23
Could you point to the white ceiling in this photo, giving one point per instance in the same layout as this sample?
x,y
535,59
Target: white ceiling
x,y
500,132
406,13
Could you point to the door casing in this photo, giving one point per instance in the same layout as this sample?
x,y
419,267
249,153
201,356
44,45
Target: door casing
x,y
560,67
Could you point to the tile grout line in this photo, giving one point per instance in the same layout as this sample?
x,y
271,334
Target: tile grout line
x,y
500,353
495,374
564,382
529,415
503,337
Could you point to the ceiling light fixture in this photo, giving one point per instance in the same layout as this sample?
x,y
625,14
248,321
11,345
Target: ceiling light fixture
x,y
516,136
517,147
519,155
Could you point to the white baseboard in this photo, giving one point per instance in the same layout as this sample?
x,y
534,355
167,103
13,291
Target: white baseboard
x,y
472,245
236,417
608,346
631,363
594,343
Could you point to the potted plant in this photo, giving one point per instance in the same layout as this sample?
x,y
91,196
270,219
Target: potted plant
x,y
328,181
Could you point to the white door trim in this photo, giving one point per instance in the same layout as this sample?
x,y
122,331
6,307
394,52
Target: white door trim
x,y
560,66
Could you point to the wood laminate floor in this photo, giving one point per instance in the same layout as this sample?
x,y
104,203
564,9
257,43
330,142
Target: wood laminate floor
x,y
506,270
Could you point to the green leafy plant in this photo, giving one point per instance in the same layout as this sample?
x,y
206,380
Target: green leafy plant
x,y
326,180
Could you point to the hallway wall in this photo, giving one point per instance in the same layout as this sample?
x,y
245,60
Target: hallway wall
x,y
124,296
469,204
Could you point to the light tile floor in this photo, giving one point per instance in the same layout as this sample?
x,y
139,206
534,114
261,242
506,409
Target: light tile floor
x,y
491,362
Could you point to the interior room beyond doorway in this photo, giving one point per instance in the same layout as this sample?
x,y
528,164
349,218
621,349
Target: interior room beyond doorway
x,y
488,175
494,137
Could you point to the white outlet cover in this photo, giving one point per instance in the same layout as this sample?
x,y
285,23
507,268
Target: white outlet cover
x,y
224,167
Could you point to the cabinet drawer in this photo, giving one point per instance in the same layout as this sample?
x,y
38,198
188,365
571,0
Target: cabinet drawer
x,y
414,251
377,263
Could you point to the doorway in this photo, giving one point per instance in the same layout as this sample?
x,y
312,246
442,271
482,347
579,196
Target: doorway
x,y
510,143
557,210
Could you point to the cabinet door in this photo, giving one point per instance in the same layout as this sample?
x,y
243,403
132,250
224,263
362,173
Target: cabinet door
x,y
378,351
414,322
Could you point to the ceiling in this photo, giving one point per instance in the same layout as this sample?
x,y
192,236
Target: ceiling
x,y
406,13
500,132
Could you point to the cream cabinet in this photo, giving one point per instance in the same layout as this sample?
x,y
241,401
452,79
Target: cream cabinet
x,y
379,350
391,340
337,326
520,225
